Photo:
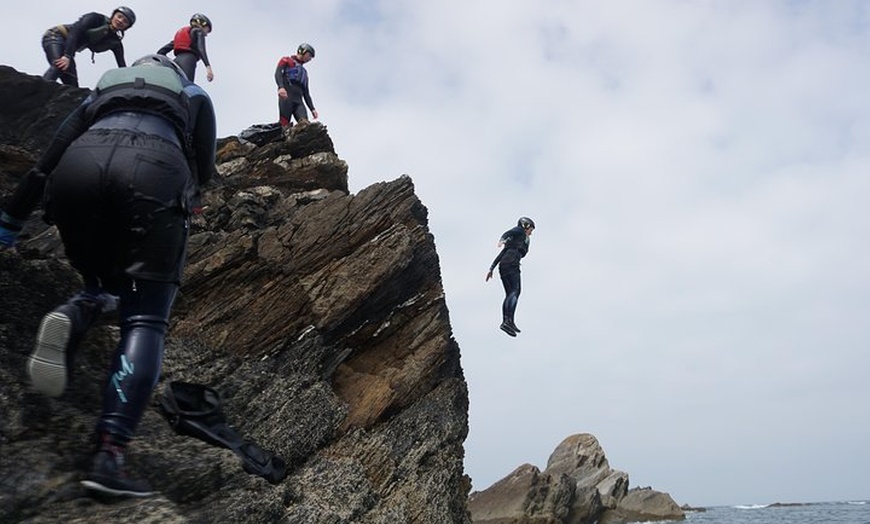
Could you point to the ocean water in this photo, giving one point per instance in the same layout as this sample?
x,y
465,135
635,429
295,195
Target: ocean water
x,y
851,512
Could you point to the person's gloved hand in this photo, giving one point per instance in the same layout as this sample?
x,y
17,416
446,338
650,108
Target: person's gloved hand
x,y
8,237
9,229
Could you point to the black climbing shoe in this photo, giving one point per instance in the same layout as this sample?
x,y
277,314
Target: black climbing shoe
x,y
47,365
108,477
507,329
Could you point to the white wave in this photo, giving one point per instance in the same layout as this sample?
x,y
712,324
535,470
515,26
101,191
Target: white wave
x,y
750,506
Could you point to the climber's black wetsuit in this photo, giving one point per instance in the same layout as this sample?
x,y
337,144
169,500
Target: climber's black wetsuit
x,y
92,31
120,185
516,245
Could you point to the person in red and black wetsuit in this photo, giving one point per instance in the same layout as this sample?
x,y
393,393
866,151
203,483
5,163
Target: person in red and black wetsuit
x,y
93,31
188,46
515,245
292,79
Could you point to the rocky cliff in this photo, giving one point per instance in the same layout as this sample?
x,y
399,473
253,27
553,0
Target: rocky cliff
x,y
319,316
577,487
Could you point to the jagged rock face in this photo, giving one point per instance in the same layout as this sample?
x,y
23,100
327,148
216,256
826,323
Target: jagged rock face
x,y
578,487
30,112
525,496
642,505
318,315
32,109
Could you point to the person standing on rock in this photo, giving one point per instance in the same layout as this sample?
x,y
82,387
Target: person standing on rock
x,y
188,46
292,79
93,31
123,175
515,245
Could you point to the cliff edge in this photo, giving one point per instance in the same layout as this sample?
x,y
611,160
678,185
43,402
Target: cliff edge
x,y
318,315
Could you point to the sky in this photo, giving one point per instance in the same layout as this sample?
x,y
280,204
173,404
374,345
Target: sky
x,y
697,290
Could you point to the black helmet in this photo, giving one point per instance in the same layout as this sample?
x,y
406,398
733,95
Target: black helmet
x,y
526,223
128,14
305,48
160,60
200,20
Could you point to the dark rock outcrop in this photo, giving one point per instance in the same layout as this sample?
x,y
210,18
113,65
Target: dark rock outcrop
x,y
319,315
578,487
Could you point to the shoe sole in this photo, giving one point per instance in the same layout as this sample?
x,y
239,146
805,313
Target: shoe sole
x,y
100,488
507,330
47,364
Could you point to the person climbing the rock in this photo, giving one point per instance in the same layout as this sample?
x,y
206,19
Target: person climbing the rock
x,y
188,46
93,31
515,245
292,79
120,181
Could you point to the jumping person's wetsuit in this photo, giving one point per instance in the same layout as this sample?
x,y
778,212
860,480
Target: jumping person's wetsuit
x,y
292,76
188,46
515,247
124,171
92,31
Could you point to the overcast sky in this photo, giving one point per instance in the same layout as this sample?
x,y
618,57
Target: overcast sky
x,y
697,293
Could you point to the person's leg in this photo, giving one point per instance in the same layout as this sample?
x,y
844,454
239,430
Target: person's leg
x,y
299,111
53,45
517,289
147,178
60,333
70,77
187,62
285,112
511,281
144,313
72,200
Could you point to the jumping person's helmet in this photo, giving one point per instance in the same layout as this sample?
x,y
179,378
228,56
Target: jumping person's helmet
x,y
200,20
128,14
305,48
526,223
160,60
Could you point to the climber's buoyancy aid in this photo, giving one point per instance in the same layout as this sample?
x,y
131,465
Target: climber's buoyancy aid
x,y
147,89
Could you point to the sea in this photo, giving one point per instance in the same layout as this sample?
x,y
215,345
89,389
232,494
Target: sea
x,y
847,512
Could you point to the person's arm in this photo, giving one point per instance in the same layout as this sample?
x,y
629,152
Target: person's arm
x,y
166,49
204,136
28,193
24,200
279,72
75,38
197,36
306,95
497,259
279,77
118,51
71,128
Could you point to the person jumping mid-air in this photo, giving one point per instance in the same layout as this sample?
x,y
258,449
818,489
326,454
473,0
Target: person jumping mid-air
x,y
515,245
